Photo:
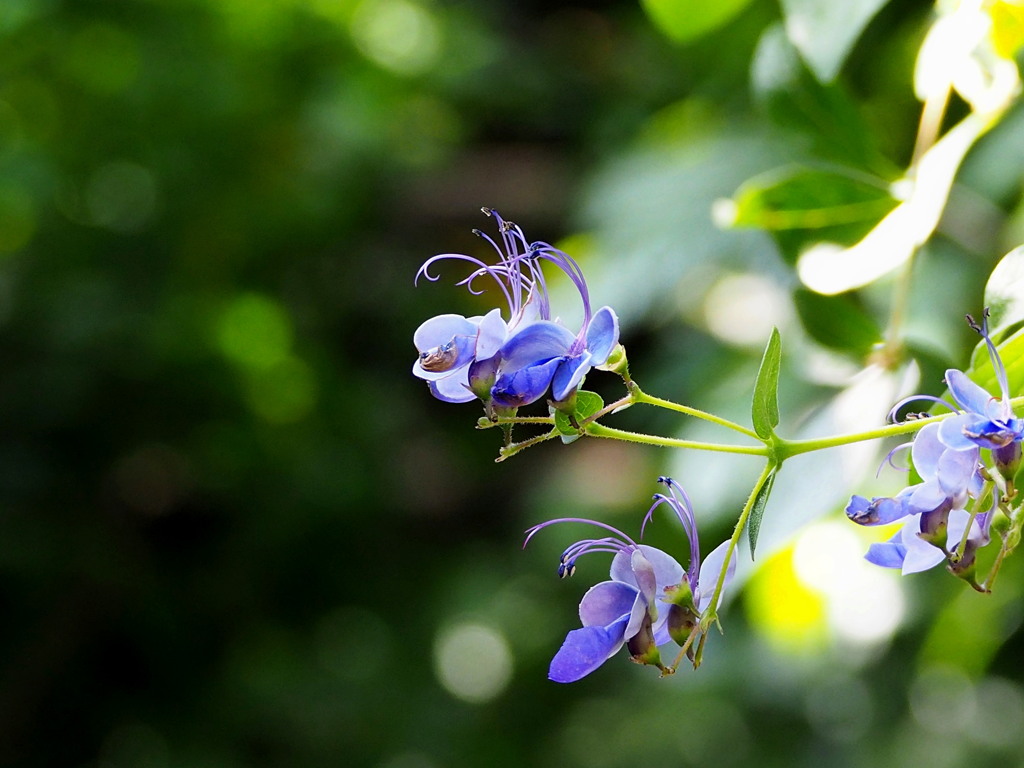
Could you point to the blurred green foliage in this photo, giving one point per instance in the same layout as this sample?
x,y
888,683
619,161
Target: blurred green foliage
x,y
235,532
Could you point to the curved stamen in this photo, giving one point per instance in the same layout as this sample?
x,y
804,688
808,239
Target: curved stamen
x,y
888,458
684,511
533,530
891,418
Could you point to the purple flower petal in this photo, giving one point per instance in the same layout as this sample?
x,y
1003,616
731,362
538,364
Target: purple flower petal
x,y
927,497
667,570
586,649
602,334
606,602
536,343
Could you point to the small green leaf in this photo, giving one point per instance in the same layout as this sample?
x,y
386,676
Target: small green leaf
x,y
825,33
765,408
757,510
837,322
801,206
687,20
587,404
1004,292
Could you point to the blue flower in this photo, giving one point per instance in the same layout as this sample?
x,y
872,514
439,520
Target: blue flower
x,y
984,421
648,601
513,362
934,510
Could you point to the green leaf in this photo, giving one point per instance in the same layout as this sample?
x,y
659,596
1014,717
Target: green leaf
x,y
837,322
757,510
1004,292
824,33
1011,352
800,206
825,114
587,404
686,20
765,408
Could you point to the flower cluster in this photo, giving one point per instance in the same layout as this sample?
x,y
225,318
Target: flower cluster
x,y
944,519
511,362
650,600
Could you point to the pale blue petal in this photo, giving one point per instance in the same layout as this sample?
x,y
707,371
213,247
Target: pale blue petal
x,y
956,469
951,431
967,394
927,497
491,336
710,570
602,334
440,330
454,389
920,555
586,649
667,570
927,450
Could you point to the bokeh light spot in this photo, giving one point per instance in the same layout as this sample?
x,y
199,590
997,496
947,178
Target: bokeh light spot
x,y
472,662
103,57
742,309
397,34
17,218
121,196
284,393
255,332
789,615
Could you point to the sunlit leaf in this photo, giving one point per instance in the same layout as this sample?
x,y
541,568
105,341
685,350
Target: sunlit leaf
x,y
825,33
1004,292
801,206
686,20
765,409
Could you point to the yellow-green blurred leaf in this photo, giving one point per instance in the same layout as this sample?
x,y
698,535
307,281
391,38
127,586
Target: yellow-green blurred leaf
x,y
686,20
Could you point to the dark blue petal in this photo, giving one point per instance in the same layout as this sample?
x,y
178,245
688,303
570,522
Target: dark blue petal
x,y
525,385
569,375
586,649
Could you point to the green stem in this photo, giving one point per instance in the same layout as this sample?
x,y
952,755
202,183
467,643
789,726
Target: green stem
x,y
513,448
639,396
787,448
711,613
599,430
